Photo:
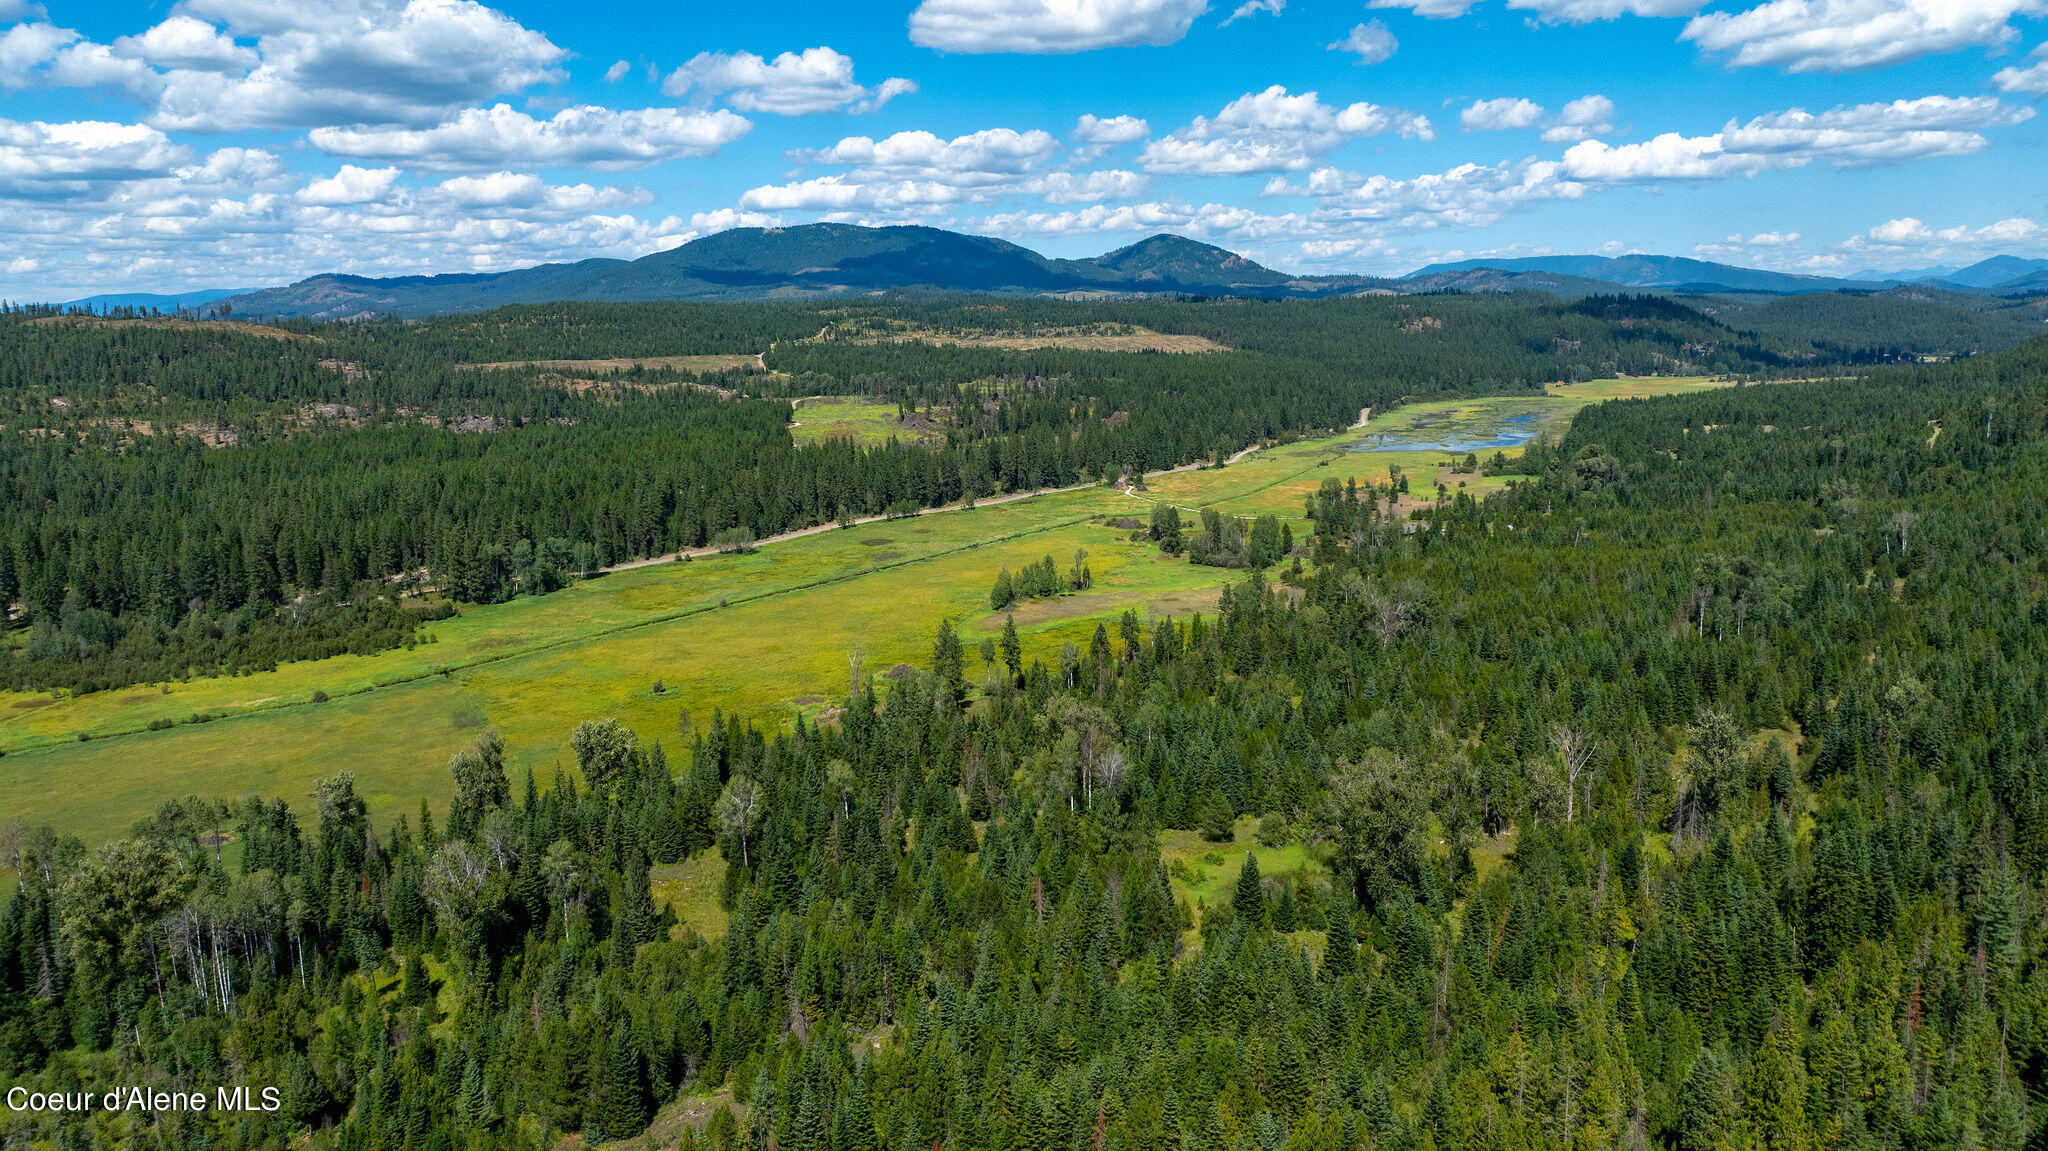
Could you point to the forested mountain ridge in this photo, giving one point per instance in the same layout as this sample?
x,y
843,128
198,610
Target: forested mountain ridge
x,y
1683,796
180,495
809,260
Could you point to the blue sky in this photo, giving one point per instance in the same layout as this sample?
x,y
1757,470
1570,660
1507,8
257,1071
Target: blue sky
x,y
171,146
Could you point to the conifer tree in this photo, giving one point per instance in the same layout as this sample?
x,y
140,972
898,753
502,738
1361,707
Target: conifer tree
x,y
1248,900
621,1105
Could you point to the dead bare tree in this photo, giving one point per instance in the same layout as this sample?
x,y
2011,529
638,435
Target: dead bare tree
x,y
1902,523
1577,751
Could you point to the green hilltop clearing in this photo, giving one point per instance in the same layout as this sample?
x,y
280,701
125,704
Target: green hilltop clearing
x,y
766,636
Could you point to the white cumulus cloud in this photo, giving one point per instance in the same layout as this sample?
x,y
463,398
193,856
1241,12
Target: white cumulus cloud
x,y
1863,134
1371,42
585,136
1907,239
1091,129
1273,131
183,42
39,54
1050,26
985,156
911,171
532,195
1848,35
350,185
45,159
1095,137
1427,9
351,62
1589,11
1469,195
2031,80
1581,119
1253,8
1504,114
725,219
793,84
125,220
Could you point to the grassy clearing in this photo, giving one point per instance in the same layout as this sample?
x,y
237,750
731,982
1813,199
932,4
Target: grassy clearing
x,y
667,1128
690,889
819,418
1489,853
766,635
1204,874
719,363
1635,387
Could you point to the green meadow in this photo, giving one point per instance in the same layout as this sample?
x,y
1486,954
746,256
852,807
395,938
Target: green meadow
x,y
1204,874
768,636
818,418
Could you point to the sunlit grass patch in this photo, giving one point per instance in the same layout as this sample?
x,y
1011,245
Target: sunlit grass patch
x,y
690,889
819,418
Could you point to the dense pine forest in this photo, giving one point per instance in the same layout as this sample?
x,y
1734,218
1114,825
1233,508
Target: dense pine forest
x,y
1687,795
183,498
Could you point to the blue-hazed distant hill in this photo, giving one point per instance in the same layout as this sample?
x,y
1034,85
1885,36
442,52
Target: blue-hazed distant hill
x,y
820,261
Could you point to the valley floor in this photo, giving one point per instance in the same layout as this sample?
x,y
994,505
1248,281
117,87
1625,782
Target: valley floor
x,y
660,646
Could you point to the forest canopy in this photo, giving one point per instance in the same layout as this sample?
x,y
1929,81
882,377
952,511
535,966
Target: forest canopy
x,y
184,498
1686,794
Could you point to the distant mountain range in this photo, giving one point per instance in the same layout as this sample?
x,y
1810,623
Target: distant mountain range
x,y
805,262
1672,273
169,303
1999,275
814,261
1996,272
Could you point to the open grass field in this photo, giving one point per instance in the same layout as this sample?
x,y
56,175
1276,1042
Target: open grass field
x,y
819,418
766,636
1636,387
690,889
714,363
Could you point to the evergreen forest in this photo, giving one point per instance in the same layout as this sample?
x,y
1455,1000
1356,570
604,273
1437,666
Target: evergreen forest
x,y
1688,794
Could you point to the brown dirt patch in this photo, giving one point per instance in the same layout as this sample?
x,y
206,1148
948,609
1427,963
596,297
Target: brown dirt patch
x,y
878,542
31,704
1140,341
1086,338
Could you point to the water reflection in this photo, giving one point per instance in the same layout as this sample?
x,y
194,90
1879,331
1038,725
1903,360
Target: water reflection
x,y
1441,436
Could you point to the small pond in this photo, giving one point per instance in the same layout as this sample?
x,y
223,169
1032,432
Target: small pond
x,y
1446,435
